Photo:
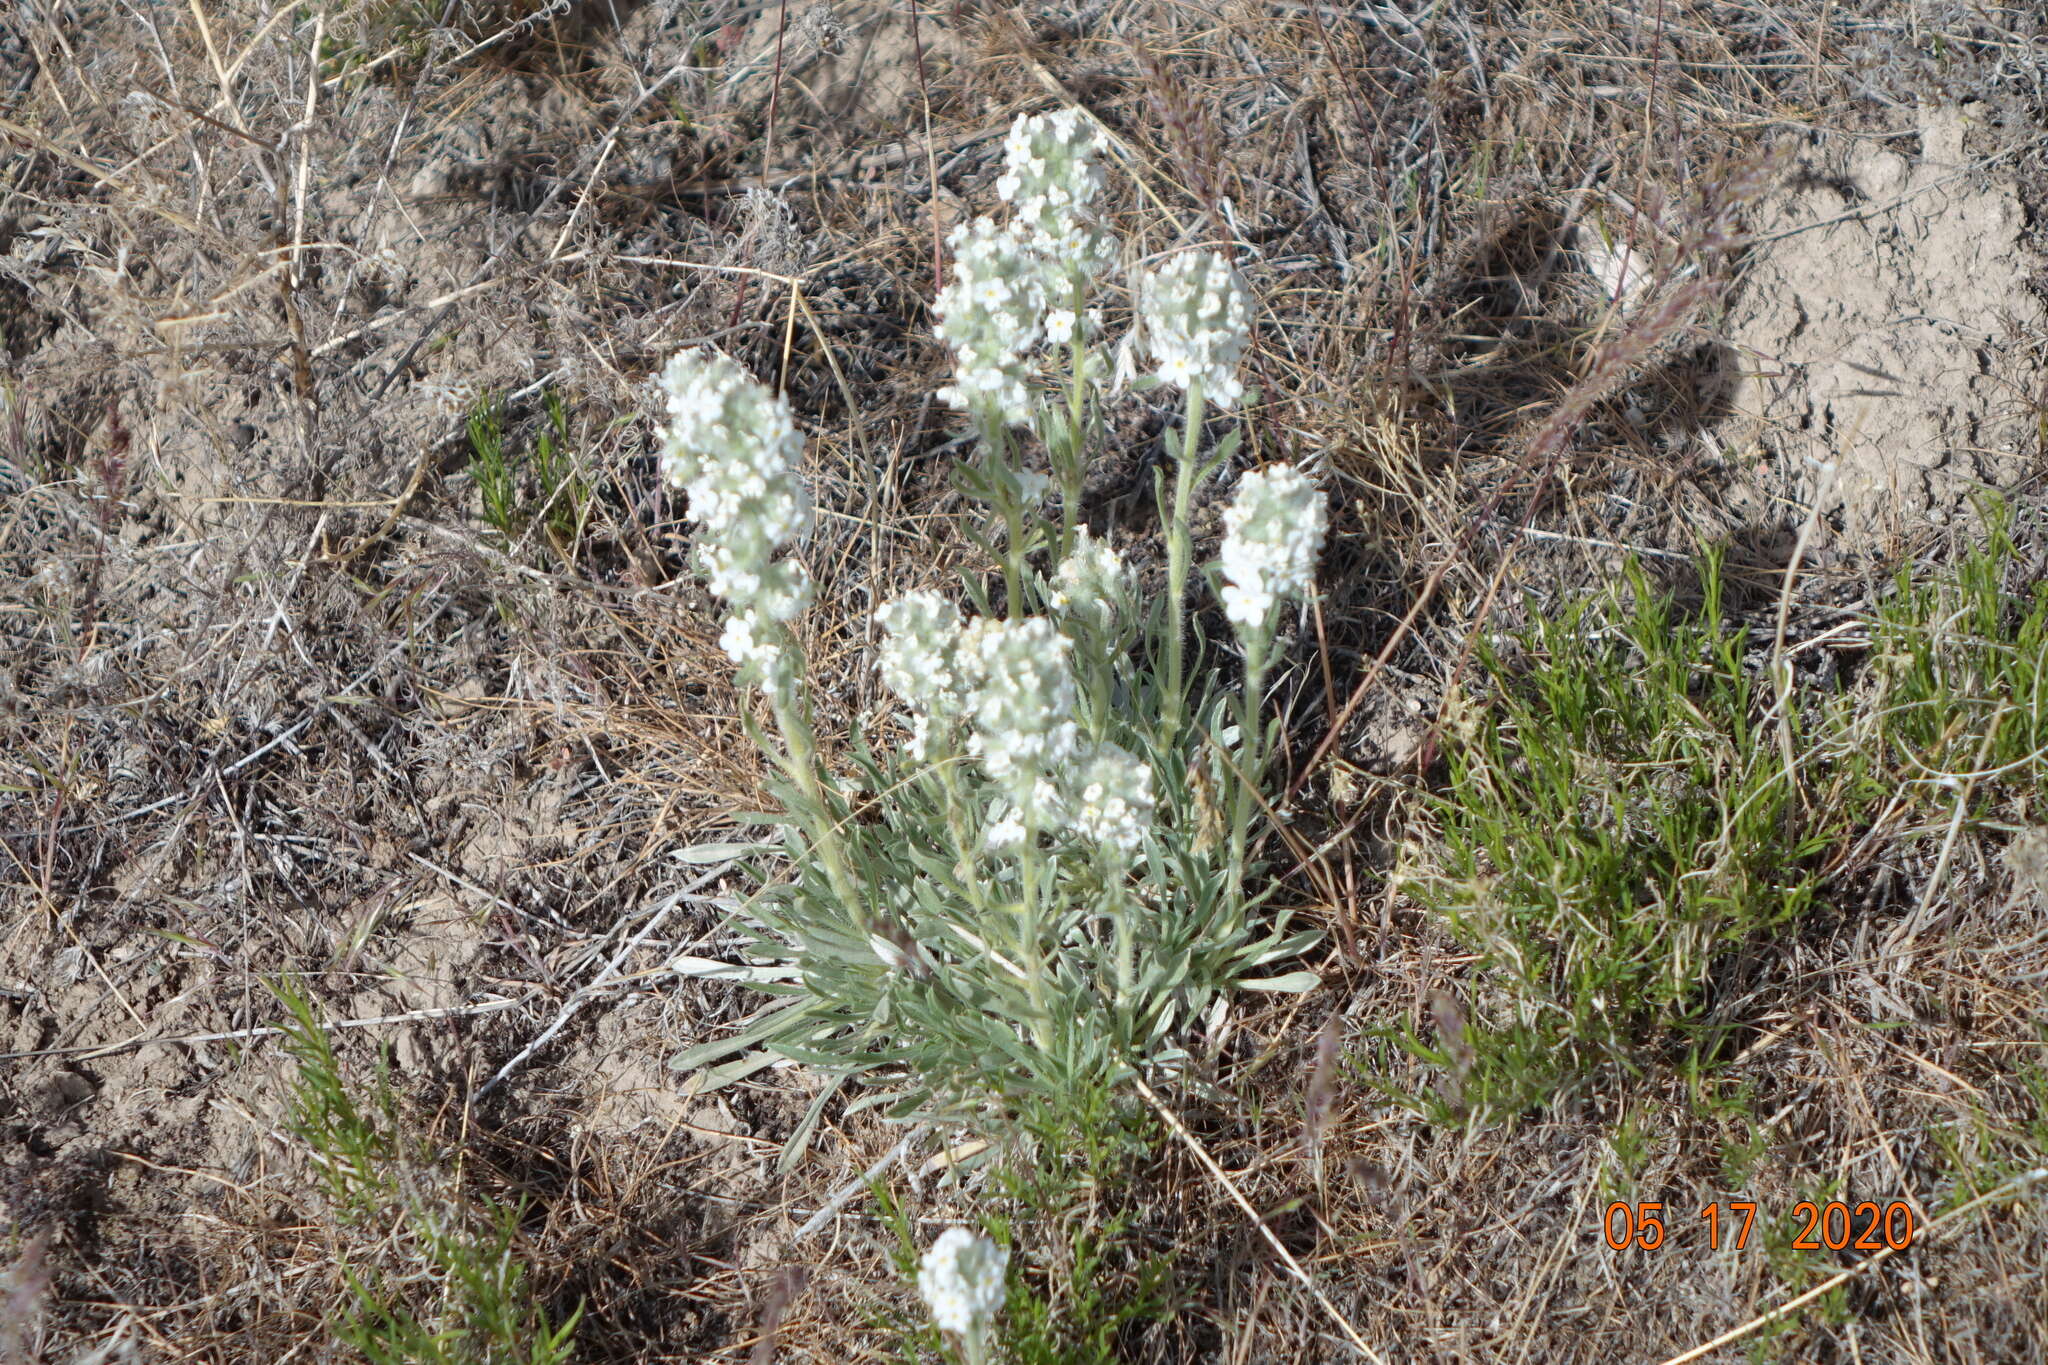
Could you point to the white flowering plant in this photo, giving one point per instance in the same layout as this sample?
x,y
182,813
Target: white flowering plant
x,y
1031,881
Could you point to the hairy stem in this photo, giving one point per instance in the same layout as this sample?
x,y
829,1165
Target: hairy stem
x,y
963,838
1179,550
1013,574
1071,464
1251,750
995,442
801,766
1126,953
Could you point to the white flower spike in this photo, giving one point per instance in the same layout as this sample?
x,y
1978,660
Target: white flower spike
x,y
992,314
1272,535
1023,707
734,447
1052,177
919,659
1195,313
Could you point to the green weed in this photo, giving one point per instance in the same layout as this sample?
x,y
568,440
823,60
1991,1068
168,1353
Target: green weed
x,y
1962,663
1633,1141
1745,1139
563,494
1617,815
560,497
1623,806
463,1298
489,468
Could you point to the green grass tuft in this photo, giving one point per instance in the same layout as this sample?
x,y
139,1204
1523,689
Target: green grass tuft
x,y
1963,668
460,1295
491,470
1618,813
543,484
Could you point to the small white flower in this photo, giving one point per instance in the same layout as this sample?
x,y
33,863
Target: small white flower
x,y
992,293
919,745
745,644
1195,314
1112,802
1272,534
961,1279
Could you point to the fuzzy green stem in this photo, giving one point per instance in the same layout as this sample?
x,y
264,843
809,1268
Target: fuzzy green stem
x,y
1251,750
1126,953
963,838
1070,463
801,766
1101,683
1013,571
995,442
1179,550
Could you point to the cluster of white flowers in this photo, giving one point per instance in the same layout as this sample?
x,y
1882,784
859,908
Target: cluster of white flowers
x,y
1196,319
919,661
734,447
992,314
961,1279
1013,682
1113,802
1022,707
1014,288
1051,176
1272,533
1093,584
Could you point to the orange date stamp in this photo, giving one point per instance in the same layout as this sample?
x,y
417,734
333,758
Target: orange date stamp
x,y
1833,1226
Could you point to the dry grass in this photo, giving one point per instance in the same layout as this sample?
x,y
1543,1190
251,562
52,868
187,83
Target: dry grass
x,y
275,698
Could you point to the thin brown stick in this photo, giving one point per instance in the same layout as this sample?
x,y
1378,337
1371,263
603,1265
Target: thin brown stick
x,y
87,1051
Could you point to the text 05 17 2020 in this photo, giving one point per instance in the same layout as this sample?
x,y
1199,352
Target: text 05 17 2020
x,y
1833,1226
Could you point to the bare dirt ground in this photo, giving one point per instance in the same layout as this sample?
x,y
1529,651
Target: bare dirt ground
x,y
278,698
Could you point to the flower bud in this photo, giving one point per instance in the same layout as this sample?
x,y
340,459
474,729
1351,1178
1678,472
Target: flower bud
x,y
1093,585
